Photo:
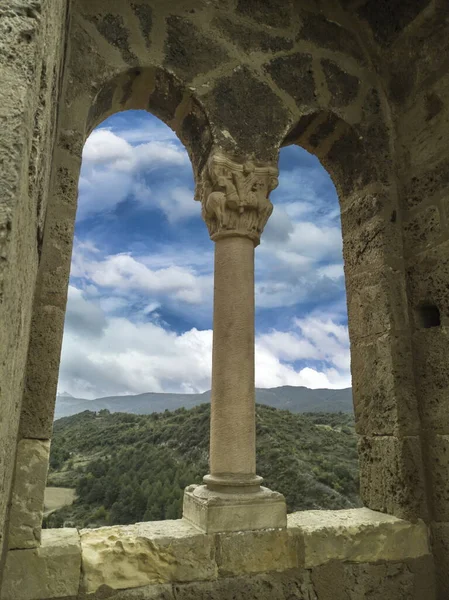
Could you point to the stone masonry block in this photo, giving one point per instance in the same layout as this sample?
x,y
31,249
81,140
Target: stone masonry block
x,y
383,386
372,243
440,548
28,493
357,535
257,552
422,230
145,553
438,469
51,571
391,476
431,367
426,183
42,373
428,279
377,302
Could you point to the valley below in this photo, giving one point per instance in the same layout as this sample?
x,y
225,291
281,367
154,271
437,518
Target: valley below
x,y
123,468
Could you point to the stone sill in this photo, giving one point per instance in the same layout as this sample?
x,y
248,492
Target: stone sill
x,y
122,557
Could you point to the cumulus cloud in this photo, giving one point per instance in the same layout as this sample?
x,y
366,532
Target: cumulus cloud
x,y
140,304
125,273
114,170
132,355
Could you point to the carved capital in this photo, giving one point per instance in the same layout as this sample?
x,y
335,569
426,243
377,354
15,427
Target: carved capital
x,y
234,196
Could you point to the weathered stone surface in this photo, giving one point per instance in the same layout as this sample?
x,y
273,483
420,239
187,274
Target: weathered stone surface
x,y
294,75
187,51
144,13
372,243
423,229
391,476
42,374
427,183
440,546
357,535
28,493
247,552
237,101
348,164
383,386
215,512
145,553
377,302
113,29
387,20
275,13
166,96
432,372
427,277
329,34
411,580
342,86
31,49
273,586
252,40
437,447
50,571
323,129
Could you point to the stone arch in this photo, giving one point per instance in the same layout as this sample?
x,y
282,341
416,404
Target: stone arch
x,y
161,93
387,421
164,95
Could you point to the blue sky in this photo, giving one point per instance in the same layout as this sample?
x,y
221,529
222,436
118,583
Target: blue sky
x,y
139,313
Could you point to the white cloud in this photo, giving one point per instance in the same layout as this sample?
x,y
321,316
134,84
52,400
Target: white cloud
x,y
125,273
132,356
113,170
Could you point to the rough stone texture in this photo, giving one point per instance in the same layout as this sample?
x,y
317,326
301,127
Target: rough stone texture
x,y
137,555
28,494
323,32
438,462
294,75
248,552
187,50
342,86
252,40
212,511
383,385
387,20
31,50
237,100
391,475
432,370
345,552
365,87
440,546
50,571
427,277
357,535
275,13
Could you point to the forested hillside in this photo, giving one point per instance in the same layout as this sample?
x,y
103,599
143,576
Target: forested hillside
x,y
129,468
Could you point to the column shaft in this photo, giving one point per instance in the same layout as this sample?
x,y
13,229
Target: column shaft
x,y
233,433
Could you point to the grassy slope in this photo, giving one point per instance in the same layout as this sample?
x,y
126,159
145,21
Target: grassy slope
x,y
128,468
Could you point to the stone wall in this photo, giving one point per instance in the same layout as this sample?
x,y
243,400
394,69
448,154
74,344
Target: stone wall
x,y
31,54
323,555
417,80
364,85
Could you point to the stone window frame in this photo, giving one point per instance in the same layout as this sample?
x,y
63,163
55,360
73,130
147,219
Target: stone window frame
x,y
351,137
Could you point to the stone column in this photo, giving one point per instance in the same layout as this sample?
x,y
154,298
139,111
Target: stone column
x,y
235,207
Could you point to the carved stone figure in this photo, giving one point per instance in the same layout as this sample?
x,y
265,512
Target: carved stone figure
x,y
234,196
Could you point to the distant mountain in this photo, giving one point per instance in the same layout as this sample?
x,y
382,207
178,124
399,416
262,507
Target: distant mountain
x,y
294,399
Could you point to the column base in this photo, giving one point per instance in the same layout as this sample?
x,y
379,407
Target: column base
x,y
215,512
